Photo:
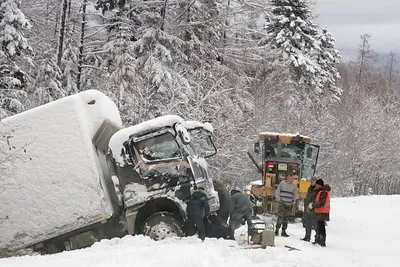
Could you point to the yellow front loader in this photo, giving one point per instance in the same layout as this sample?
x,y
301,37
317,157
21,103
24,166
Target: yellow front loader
x,y
282,155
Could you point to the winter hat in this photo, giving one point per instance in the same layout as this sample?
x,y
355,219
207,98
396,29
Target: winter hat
x,y
313,178
320,182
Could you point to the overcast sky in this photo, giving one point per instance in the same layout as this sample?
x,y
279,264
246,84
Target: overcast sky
x,y
348,19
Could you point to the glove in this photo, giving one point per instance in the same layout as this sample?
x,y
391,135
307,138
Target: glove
x,y
310,206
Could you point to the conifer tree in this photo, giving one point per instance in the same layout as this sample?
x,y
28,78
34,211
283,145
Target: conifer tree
x,y
12,45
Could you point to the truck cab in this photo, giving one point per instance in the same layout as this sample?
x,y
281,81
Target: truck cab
x,y
155,166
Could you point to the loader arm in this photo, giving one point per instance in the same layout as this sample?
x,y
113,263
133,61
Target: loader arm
x,y
259,168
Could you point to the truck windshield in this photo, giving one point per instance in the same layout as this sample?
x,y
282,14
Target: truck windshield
x,y
159,147
201,143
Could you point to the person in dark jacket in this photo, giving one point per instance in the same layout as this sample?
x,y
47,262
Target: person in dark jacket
x,y
309,215
321,206
197,208
224,200
240,209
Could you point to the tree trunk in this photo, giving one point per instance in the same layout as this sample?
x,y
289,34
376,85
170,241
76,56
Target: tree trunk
x,y
80,57
62,32
163,12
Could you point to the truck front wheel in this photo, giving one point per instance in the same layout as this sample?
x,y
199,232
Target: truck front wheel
x,y
162,225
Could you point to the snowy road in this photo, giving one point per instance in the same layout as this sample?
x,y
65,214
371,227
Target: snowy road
x,y
361,233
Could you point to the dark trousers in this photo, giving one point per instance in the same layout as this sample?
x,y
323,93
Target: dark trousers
x,y
309,222
321,228
237,217
195,223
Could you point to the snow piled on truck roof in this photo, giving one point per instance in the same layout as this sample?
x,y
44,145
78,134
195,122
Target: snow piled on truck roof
x,y
56,186
117,140
196,124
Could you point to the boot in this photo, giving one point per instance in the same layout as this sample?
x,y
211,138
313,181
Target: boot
x,y
317,239
307,239
284,233
322,241
277,229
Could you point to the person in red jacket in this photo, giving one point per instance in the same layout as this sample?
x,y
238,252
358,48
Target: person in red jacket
x,y
321,207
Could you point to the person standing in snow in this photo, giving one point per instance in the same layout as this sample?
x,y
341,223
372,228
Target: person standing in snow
x,y
240,209
285,194
321,206
309,215
197,207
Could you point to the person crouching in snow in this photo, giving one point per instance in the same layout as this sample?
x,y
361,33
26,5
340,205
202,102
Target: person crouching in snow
x,y
285,194
197,206
240,209
321,206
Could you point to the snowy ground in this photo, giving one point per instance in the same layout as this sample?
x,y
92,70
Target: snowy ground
x,y
362,232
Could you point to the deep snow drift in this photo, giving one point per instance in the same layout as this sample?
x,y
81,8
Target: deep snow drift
x,y
361,233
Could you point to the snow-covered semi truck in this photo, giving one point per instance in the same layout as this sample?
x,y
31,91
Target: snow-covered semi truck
x,y
71,175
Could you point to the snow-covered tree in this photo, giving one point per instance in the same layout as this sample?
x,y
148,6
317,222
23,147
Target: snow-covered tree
x,y
366,59
200,26
13,45
69,59
13,22
328,58
69,63
120,62
47,86
291,37
144,61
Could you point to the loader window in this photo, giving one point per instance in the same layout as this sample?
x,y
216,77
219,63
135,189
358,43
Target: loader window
x,y
159,147
310,161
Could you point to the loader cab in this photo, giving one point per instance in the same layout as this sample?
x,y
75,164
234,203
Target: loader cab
x,y
287,154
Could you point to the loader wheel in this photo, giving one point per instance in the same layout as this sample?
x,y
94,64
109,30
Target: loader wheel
x,y
162,225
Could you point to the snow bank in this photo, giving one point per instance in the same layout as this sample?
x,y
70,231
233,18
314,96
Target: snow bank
x,y
354,238
118,139
55,186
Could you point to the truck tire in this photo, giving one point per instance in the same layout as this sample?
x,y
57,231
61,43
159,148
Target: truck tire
x,y
162,225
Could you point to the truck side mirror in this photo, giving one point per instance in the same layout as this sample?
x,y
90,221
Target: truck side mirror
x,y
309,152
257,147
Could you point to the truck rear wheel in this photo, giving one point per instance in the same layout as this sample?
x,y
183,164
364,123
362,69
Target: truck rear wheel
x,y
162,225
